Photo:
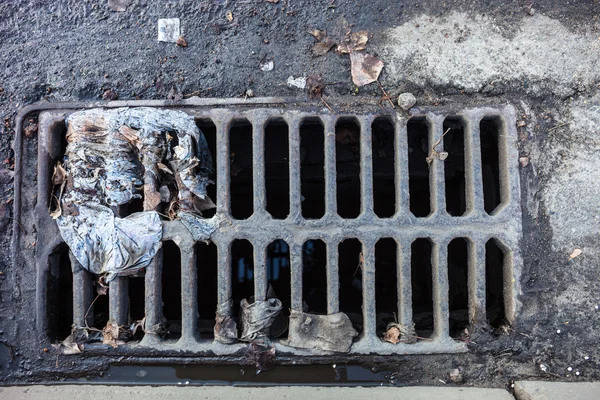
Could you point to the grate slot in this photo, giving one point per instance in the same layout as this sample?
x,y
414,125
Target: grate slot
x,y
348,150
383,155
172,271
207,267
243,176
454,165
458,278
420,183
277,176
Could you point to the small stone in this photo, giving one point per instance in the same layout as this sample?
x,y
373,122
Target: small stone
x,y
558,331
524,161
586,358
577,373
250,93
569,369
406,101
456,376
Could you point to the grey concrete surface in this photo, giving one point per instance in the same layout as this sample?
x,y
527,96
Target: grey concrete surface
x,y
72,392
540,390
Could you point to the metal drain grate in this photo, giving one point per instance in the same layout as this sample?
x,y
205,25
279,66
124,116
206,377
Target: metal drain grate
x,y
502,224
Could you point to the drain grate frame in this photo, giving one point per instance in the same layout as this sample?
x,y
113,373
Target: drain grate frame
x,y
503,225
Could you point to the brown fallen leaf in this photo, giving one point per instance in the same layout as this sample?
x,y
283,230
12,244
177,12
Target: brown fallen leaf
x,y
392,335
181,42
397,333
59,175
355,41
365,68
110,95
318,34
315,85
321,48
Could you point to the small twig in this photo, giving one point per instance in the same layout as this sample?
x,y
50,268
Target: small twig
x,y
196,92
424,338
326,105
558,126
385,94
261,60
88,311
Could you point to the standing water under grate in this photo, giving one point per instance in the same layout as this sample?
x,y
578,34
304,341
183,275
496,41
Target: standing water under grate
x,y
314,233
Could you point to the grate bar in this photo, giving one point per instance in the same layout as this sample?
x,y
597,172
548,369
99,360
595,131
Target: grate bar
x,y
473,167
476,282
439,263
189,291
401,168
366,167
330,168
294,169
296,275
368,285
118,301
437,184
82,294
224,275
258,166
403,254
153,297
260,271
333,277
223,157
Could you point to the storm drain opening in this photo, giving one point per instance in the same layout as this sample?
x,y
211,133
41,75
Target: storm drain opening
x,y
454,166
491,150
171,289
314,276
207,285
384,161
458,267
418,168
240,169
312,168
398,266
494,284
277,173
422,286
347,166
279,278
60,291
209,130
351,264
386,284
242,269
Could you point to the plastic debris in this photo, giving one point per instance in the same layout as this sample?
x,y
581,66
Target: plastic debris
x,y
365,68
332,332
299,83
169,30
114,157
406,101
118,5
396,333
256,318
225,326
267,66
575,253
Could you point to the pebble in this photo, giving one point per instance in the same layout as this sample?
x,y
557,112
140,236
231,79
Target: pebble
x,y
406,101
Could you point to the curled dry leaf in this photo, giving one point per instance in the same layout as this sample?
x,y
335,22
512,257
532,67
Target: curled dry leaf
x,y
315,85
181,42
354,42
324,43
229,16
365,68
575,253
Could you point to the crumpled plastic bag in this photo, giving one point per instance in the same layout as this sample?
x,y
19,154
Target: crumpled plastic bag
x,y
115,156
256,318
323,332
107,245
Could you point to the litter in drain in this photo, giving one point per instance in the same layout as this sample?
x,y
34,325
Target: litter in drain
x,y
345,216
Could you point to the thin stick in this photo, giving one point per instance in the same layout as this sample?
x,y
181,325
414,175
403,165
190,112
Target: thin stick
x,y
261,60
385,94
326,105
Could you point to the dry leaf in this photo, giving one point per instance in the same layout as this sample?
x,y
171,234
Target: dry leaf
x,y
181,42
229,16
315,85
162,167
392,335
397,333
442,155
110,334
575,253
365,68
318,34
354,42
321,48
59,175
